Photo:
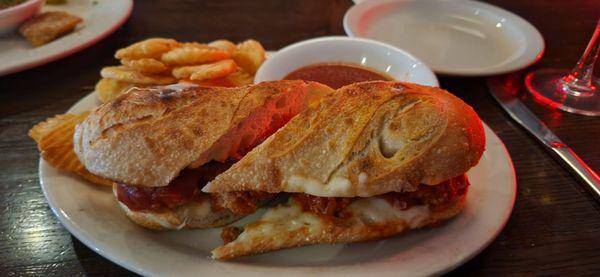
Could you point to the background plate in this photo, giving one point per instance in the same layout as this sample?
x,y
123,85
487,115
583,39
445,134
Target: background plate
x,y
467,38
101,18
91,214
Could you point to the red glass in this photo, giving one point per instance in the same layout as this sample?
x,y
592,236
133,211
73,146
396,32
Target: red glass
x,y
575,91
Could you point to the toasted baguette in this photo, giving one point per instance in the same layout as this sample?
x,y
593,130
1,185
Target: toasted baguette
x,y
147,136
366,139
192,215
372,218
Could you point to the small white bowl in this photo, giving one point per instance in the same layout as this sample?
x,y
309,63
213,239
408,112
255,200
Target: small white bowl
x,y
379,56
11,18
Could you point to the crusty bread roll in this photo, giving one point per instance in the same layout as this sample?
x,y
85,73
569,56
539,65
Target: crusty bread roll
x,y
147,136
364,140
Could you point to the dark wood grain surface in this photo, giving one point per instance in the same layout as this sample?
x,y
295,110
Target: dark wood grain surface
x,y
554,228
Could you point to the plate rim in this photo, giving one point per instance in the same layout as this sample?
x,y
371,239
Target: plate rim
x,y
74,48
535,40
92,242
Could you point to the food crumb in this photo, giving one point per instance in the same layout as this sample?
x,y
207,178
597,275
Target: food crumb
x,y
229,234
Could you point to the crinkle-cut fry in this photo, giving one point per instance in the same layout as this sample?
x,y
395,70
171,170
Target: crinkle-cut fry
x,y
41,129
195,45
206,71
236,79
184,72
54,137
218,82
149,48
109,89
249,55
223,44
146,65
186,82
191,55
240,78
126,74
214,70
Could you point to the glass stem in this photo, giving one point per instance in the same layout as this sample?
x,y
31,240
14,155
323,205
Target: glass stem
x,y
579,81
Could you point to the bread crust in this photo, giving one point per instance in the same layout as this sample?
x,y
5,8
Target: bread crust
x,y
148,135
193,215
366,139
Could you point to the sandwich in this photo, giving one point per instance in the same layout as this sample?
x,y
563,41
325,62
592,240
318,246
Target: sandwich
x,y
369,161
161,145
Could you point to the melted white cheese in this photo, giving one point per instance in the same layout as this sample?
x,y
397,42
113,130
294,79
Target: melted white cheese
x,y
377,210
201,209
277,222
278,225
292,215
336,187
362,178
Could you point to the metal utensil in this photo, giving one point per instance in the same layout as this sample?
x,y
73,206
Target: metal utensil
x,y
505,92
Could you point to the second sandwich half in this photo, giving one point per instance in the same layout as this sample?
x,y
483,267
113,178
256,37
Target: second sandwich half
x,y
370,161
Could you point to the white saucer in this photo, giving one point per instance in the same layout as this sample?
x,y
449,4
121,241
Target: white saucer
x,y
91,214
100,18
465,38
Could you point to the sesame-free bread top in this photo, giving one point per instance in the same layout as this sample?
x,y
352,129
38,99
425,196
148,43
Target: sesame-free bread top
x,y
365,139
147,136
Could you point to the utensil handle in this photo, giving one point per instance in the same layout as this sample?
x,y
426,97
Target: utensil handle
x,y
579,167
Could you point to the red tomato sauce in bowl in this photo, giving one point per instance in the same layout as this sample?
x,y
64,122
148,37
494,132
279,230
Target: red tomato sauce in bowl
x,y
336,75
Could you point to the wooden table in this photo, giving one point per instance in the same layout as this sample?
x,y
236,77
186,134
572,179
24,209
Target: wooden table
x,y
554,228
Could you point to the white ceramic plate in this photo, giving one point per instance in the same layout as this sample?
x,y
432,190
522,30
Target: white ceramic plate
x,y
100,18
382,57
91,214
466,38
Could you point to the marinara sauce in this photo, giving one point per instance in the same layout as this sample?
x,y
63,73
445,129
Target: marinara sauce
x,y
183,189
336,75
